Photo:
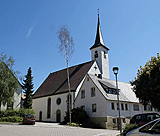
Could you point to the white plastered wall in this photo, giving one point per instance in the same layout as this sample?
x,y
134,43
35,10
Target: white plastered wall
x,y
40,104
103,63
98,99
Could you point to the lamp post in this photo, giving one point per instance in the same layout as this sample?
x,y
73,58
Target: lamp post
x,y
115,71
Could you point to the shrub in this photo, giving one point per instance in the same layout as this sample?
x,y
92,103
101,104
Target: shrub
x,y
11,119
18,113
128,128
78,116
23,111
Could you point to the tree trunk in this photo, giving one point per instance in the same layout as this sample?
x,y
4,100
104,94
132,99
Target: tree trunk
x,y
69,101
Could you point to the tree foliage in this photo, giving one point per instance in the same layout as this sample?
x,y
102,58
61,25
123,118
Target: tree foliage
x,y
28,89
147,83
66,46
8,81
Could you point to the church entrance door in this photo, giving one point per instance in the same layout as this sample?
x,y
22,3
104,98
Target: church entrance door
x,y
58,116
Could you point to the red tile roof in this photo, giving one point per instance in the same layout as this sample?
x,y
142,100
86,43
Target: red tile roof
x,y
57,82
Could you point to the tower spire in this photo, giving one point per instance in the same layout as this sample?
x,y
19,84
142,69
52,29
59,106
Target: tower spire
x,y
99,39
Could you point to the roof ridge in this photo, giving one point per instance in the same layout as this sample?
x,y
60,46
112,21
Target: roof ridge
x,y
71,67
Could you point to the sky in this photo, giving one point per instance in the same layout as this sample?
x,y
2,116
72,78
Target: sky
x,y
28,32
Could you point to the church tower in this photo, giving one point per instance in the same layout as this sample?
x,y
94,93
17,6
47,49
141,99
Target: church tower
x,y
100,52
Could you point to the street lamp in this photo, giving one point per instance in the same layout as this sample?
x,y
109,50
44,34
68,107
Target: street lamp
x,y
115,71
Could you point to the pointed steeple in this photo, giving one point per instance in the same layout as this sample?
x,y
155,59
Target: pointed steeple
x,y
99,39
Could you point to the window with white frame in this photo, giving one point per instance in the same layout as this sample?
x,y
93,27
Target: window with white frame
x,y
94,108
93,92
126,106
112,106
135,107
122,106
82,94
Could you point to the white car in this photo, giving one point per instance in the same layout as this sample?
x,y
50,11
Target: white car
x,y
150,129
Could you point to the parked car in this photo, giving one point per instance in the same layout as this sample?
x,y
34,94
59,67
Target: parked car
x,y
141,119
149,129
29,119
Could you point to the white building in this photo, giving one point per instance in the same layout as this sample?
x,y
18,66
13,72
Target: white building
x,y
91,88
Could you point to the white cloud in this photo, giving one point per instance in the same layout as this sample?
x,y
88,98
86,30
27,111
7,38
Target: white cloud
x,y
30,30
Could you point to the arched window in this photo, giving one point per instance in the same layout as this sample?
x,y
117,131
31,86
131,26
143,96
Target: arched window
x,y
49,108
96,54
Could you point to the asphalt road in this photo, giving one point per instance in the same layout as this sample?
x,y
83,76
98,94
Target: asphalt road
x,y
52,129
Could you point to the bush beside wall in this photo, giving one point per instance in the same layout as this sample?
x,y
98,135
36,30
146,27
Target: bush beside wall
x,y
14,115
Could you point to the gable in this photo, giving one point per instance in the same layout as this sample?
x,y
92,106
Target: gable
x,y
57,82
94,70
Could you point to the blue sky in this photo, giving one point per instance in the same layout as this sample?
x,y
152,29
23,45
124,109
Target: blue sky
x,y
130,29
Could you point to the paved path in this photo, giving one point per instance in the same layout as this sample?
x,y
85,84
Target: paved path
x,y
52,129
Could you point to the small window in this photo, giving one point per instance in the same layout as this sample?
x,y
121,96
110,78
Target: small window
x,y
58,101
136,107
112,106
87,78
82,94
104,54
93,107
93,92
114,121
126,106
96,54
124,120
122,106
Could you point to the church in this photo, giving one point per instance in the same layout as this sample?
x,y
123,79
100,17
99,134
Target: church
x,y
91,88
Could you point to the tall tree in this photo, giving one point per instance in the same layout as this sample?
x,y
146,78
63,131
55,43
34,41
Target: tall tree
x,y
66,47
147,83
28,89
8,80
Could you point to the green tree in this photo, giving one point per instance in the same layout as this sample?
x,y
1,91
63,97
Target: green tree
x,y
28,89
147,83
8,80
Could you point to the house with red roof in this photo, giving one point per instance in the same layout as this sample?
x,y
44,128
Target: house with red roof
x,y
91,89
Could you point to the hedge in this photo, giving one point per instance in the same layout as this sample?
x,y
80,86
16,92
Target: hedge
x,y
11,119
14,115
19,113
